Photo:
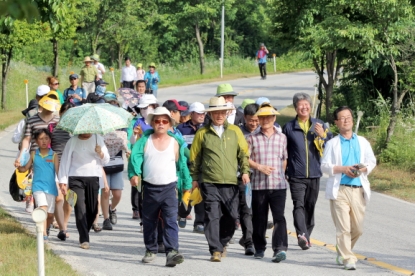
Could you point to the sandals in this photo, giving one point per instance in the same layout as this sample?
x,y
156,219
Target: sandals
x,y
96,228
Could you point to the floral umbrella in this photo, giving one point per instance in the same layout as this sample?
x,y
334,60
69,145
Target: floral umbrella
x,y
94,118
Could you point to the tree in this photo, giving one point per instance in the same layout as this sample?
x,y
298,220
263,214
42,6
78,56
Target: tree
x,y
195,16
15,34
63,17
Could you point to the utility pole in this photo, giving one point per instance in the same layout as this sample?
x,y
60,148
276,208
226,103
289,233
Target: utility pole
x,y
222,40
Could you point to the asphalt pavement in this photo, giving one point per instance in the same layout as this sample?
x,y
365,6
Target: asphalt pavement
x,y
388,243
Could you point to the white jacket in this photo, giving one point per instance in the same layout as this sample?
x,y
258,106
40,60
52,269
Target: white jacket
x,y
332,157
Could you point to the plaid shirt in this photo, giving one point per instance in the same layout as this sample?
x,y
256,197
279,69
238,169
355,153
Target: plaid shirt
x,y
271,152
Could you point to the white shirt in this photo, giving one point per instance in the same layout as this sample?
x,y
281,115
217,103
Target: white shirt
x,y
140,74
128,73
333,157
232,115
219,129
80,159
101,69
159,167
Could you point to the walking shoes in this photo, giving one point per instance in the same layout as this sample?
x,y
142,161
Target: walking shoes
x,y
339,258
303,242
216,257
85,245
174,258
148,257
279,256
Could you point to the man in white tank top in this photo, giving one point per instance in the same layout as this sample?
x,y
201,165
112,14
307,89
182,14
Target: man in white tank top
x,y
160,155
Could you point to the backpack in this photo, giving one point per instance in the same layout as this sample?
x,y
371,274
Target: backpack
x,y
15,191
67,98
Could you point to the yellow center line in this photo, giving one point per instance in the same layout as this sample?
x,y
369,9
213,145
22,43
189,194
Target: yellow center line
x,y
373,261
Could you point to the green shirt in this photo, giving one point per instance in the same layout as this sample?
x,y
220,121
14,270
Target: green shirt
x,y
89,73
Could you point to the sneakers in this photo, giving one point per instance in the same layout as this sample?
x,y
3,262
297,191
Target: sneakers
x,y
62,235
259,254
113,216
350,266
279,256
148,257
200,229
136,215
225,252
106,225
182,222
303,242
216,257
85,245
249,250
339,258
174,258
161,248
270,225
96,228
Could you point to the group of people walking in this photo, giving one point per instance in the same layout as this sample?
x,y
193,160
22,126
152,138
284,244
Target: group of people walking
x,y
213,154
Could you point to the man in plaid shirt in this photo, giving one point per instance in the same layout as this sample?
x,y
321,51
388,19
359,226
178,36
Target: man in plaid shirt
x,y
268,160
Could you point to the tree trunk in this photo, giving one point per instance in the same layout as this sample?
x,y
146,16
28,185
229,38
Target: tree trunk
x,y
94,43
119,57
55,67
7,54
320,87
201,49
396,101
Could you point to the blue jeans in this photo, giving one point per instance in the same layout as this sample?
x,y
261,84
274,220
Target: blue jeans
x,y
160,200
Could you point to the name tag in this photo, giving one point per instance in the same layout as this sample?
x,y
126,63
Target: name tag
x,y
188,139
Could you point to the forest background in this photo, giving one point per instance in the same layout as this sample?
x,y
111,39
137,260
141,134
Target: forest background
x,y
362,51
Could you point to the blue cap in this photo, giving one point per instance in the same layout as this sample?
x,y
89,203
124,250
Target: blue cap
x,y
262,100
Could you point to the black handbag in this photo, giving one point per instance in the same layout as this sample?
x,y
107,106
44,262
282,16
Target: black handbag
x,y
115,165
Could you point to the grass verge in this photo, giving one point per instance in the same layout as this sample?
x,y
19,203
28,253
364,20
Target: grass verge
x,y
19,251
393,181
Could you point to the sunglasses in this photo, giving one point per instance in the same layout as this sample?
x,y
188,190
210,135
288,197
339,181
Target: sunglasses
x,y
163,121
56,83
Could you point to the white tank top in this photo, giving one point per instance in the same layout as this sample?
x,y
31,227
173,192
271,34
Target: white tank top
x,y
159,166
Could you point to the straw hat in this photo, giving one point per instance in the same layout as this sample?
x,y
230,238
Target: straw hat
x,y
267,110
87,59
160,111
218,103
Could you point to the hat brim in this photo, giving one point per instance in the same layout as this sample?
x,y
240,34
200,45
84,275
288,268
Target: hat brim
x,y
230,93
50,104
219,108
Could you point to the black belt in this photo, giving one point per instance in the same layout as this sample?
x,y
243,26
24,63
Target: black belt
x,y
351,186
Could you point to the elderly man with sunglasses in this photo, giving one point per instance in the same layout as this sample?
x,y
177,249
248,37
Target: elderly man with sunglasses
x,y
217,150
152,165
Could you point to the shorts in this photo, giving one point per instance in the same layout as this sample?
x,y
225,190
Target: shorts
x,y
44,199
115,181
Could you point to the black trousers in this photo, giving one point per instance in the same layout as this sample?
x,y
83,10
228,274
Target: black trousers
x,y
86,207
304,193
160,201
245,216
199,213
128,84
221,213
262,201
136,200
262,69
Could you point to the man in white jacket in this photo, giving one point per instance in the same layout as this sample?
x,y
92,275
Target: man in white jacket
x,y
347,159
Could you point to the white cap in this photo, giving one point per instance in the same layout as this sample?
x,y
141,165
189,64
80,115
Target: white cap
x,y
197,107
42,90
146,100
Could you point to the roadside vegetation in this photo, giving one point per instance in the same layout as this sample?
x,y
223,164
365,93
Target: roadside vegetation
x,y
19,251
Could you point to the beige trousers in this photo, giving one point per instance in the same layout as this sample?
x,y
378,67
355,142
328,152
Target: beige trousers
x,y
348,212
89,87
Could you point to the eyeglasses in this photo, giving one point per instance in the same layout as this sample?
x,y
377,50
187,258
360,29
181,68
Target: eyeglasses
x,y
163,121
344,119
56,83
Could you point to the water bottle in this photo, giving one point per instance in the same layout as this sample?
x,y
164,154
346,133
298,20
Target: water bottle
x,y
28,187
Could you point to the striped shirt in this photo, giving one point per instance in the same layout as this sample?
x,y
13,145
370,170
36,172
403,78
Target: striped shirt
x,y
34,123
59,139
270,151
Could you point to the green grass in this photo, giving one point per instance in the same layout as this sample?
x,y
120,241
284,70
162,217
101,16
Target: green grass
x,y
19,251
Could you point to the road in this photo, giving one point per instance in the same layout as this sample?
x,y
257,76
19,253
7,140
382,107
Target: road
x,y
388,239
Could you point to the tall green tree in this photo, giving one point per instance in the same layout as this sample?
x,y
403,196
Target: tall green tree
x,y
14,35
